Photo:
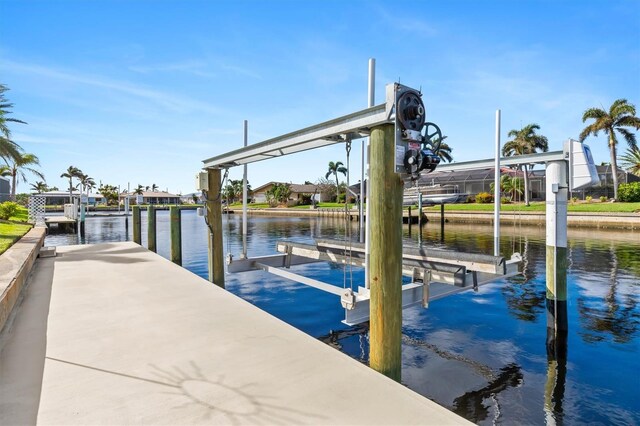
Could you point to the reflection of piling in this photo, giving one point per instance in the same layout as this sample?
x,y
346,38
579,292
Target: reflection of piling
x,y
176,234
151,228
137,230
82,218
385,270
557,192
556,376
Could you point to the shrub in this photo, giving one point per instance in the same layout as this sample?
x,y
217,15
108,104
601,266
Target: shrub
x,y
603,199
505,200
471,199
8,209
484,198
629,192
574,199
589,198
305,200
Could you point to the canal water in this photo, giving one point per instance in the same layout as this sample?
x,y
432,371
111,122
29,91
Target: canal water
x,y
481,354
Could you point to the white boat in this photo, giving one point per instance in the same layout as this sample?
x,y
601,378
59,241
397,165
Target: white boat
x,y
434,194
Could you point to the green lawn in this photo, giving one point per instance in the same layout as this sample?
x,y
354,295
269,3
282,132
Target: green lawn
x,y
12,230
540,207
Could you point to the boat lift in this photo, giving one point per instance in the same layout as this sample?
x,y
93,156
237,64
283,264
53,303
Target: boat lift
x,y
434,273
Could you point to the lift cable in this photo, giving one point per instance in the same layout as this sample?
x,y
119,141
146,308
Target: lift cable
x,y
347,226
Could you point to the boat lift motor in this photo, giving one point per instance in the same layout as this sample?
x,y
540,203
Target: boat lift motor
x,y
415,152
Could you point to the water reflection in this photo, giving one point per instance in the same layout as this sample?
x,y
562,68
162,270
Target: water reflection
x,y
485,355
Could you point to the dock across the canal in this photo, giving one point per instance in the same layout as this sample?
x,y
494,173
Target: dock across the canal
x,y
115,334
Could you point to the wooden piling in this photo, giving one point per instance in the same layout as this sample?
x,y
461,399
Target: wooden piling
x,y
151,228
385,270
442,222
214,221
176,234
137,229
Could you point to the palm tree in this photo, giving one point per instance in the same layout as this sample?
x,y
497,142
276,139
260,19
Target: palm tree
x,y
334,169
17,168
525,141
39,187
631,160
444,151
8,149
154,187
509,185
5,171
71,173
138,190
86,183
621,115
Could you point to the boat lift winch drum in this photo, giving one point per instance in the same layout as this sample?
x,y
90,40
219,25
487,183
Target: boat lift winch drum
x,y
415,152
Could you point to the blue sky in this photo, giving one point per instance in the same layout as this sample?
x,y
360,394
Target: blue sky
x,y
141,92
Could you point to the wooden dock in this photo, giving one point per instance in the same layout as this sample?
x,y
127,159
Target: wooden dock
x,y
115,334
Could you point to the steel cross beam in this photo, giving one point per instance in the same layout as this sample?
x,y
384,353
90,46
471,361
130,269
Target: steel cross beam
x,y
347,127
542,157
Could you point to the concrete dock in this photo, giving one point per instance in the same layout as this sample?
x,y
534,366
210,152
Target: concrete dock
x,y
115,334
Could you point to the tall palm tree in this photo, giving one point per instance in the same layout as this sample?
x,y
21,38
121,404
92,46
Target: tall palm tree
x,y
631,160
620,117
72,172
154,187
138,190
334,169
525,141
39,187
86,183
17,168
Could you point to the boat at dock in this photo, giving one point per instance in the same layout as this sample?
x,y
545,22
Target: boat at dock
x,y
434,194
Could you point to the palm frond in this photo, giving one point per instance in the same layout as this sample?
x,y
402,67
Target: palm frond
x,y
595,113
628,136
628,121
621,107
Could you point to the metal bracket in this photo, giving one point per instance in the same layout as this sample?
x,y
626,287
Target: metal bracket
x,y
348,299
287,259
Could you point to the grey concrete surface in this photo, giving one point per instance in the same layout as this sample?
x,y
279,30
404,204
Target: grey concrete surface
x,y
115,334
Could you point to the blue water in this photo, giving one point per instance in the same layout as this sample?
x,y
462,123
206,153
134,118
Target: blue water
x,y
482,355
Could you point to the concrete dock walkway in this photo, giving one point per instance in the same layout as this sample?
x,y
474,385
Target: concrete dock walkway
x,y
115,334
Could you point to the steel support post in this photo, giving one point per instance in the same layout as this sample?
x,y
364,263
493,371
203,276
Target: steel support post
x,y
556,214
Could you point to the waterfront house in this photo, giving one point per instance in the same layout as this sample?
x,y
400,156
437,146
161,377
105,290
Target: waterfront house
x,y
151,197
297,192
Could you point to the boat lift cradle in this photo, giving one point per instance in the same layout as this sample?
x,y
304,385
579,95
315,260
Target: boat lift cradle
x,y
434,273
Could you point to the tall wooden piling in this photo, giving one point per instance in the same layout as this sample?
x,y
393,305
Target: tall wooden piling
x,y
151,228
556,224
385,270
176,234
214,222
137,229
442,222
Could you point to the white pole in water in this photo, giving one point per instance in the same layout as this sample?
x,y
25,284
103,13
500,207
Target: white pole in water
x,y
496,196
244,200
367,224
